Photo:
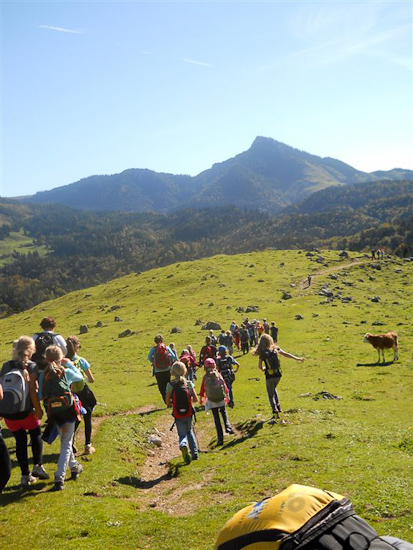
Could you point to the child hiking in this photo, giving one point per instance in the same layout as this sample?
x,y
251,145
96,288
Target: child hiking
x,y
18,377
161,358
82,390
61,409
268,361
214,393
225,364
180,394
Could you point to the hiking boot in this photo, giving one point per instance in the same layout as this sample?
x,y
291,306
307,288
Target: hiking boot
x,y
40,472
231,404
89,449
229,430
195,457
220,442
78,469
58,486
27,480
186,456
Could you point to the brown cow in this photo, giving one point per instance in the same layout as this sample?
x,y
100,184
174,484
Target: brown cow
x,y
380,342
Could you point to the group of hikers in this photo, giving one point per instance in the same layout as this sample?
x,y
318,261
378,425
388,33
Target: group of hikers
x,y
45,368
175,377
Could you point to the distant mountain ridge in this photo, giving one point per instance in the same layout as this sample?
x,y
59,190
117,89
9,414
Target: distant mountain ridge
x,y
268,176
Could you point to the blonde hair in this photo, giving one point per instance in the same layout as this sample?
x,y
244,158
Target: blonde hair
x,y
178,369
23,349
53,353
265,343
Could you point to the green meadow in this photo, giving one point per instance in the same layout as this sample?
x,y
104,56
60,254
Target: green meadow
x,y
18,242
358,443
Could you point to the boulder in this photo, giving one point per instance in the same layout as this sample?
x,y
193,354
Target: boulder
x,y
125,333
298,317
118,319
211,325
343,254
253,309
99,324
375,299
198,322
286,296
175,330
83,329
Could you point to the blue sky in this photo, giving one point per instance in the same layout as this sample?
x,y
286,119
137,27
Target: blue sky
x,y
99,87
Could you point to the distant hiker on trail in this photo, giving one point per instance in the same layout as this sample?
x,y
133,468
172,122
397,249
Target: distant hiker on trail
x,y
19,377
161,358
274,332
214,393
174,352
309,280
229,342
221,338
225,364
232,327
268,361
45,339
5,462
207,351
237,337
266,326
180,394
82,390
62,409
190,364
214,340
373,254
244,339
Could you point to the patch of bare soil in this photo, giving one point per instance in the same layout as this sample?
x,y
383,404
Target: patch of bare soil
x,y
304,283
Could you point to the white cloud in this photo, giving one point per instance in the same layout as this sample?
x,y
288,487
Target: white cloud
x,y
59,29
197,62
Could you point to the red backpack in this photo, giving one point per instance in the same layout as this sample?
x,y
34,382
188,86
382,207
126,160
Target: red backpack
x,y
181,400
161,358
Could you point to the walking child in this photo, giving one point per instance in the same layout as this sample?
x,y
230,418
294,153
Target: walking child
x,y
82,390
180,394
225,364
268,361
214,393
22,416
61,408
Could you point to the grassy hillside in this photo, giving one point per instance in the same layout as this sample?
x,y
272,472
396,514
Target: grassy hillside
x,y
18,242
360,445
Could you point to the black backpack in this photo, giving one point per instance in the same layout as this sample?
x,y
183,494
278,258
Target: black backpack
x,y
224,365
272,362
42,342
181,400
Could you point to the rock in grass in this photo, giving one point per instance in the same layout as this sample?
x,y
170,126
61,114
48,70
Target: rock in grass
x,y
211,325
286,296
125,333
83,329
175,330
253,309
298,317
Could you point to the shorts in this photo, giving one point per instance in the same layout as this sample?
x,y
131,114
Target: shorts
x,y
31,422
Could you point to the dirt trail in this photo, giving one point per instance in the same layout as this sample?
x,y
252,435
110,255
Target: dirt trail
x,y
157,488
314,276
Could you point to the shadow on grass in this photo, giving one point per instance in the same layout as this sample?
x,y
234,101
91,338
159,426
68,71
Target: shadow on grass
x,y
138,483
376,364
248,429
16,493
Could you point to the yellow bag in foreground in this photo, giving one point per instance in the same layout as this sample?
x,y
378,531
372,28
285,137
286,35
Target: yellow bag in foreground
x,y
263,525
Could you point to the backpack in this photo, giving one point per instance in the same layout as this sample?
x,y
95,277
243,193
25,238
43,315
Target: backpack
x,y
214,387
77,387
15,391
224,365
181,400
42,342
272,362
161,358
57,395
301,518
